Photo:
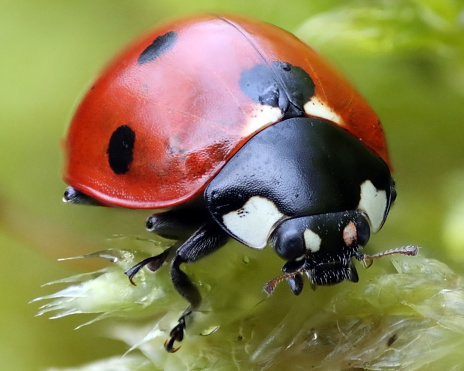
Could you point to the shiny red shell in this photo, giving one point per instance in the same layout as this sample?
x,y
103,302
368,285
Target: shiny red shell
x,y
188,112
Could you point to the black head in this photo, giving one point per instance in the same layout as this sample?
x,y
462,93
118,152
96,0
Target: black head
x,y
321,247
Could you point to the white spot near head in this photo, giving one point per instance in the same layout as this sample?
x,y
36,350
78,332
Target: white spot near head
x,y
312,240
350,234
253,223
261,116
374,203
316,108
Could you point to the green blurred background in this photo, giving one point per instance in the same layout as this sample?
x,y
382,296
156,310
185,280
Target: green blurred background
x,y
406,57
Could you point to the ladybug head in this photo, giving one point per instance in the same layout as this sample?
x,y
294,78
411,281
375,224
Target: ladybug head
x,y
321,246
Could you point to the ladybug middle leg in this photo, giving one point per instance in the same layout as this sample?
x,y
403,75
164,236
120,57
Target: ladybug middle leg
x,y
196,235
178,225
207,239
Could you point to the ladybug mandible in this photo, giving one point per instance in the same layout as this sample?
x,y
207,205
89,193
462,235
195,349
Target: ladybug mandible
x,y
234,128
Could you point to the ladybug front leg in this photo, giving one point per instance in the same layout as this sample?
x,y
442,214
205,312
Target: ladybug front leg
x,y
153,263
207,239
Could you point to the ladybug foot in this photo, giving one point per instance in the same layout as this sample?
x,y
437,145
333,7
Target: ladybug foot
x,y
153,263
177,333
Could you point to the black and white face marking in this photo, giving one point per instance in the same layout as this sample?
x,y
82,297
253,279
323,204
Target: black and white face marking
x,y
253,221
324,234
321,246
374,203
295,168
312,241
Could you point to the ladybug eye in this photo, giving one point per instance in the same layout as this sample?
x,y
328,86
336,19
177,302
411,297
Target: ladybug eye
x,y
120,149
363,232
288,242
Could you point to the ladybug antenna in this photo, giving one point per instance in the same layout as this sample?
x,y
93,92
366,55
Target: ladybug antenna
x,y
366,260
409,250
272,284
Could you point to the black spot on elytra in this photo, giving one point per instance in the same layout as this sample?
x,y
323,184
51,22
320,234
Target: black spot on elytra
x,y
278,84
159,46
120,149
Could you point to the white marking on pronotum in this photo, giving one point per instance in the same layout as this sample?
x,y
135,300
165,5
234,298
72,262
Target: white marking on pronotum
x,y
261,116
374,203
316,108
252,224
312,240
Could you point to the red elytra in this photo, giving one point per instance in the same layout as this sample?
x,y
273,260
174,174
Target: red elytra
x,y
189,113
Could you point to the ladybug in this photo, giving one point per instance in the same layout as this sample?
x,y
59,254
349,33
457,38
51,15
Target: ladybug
x,y
234,128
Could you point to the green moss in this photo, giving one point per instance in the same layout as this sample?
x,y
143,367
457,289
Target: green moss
x,y
407,315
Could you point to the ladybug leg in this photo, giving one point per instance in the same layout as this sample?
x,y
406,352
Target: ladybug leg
x,y
293,275
174,224
153,263
177,333
178,224
207,239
